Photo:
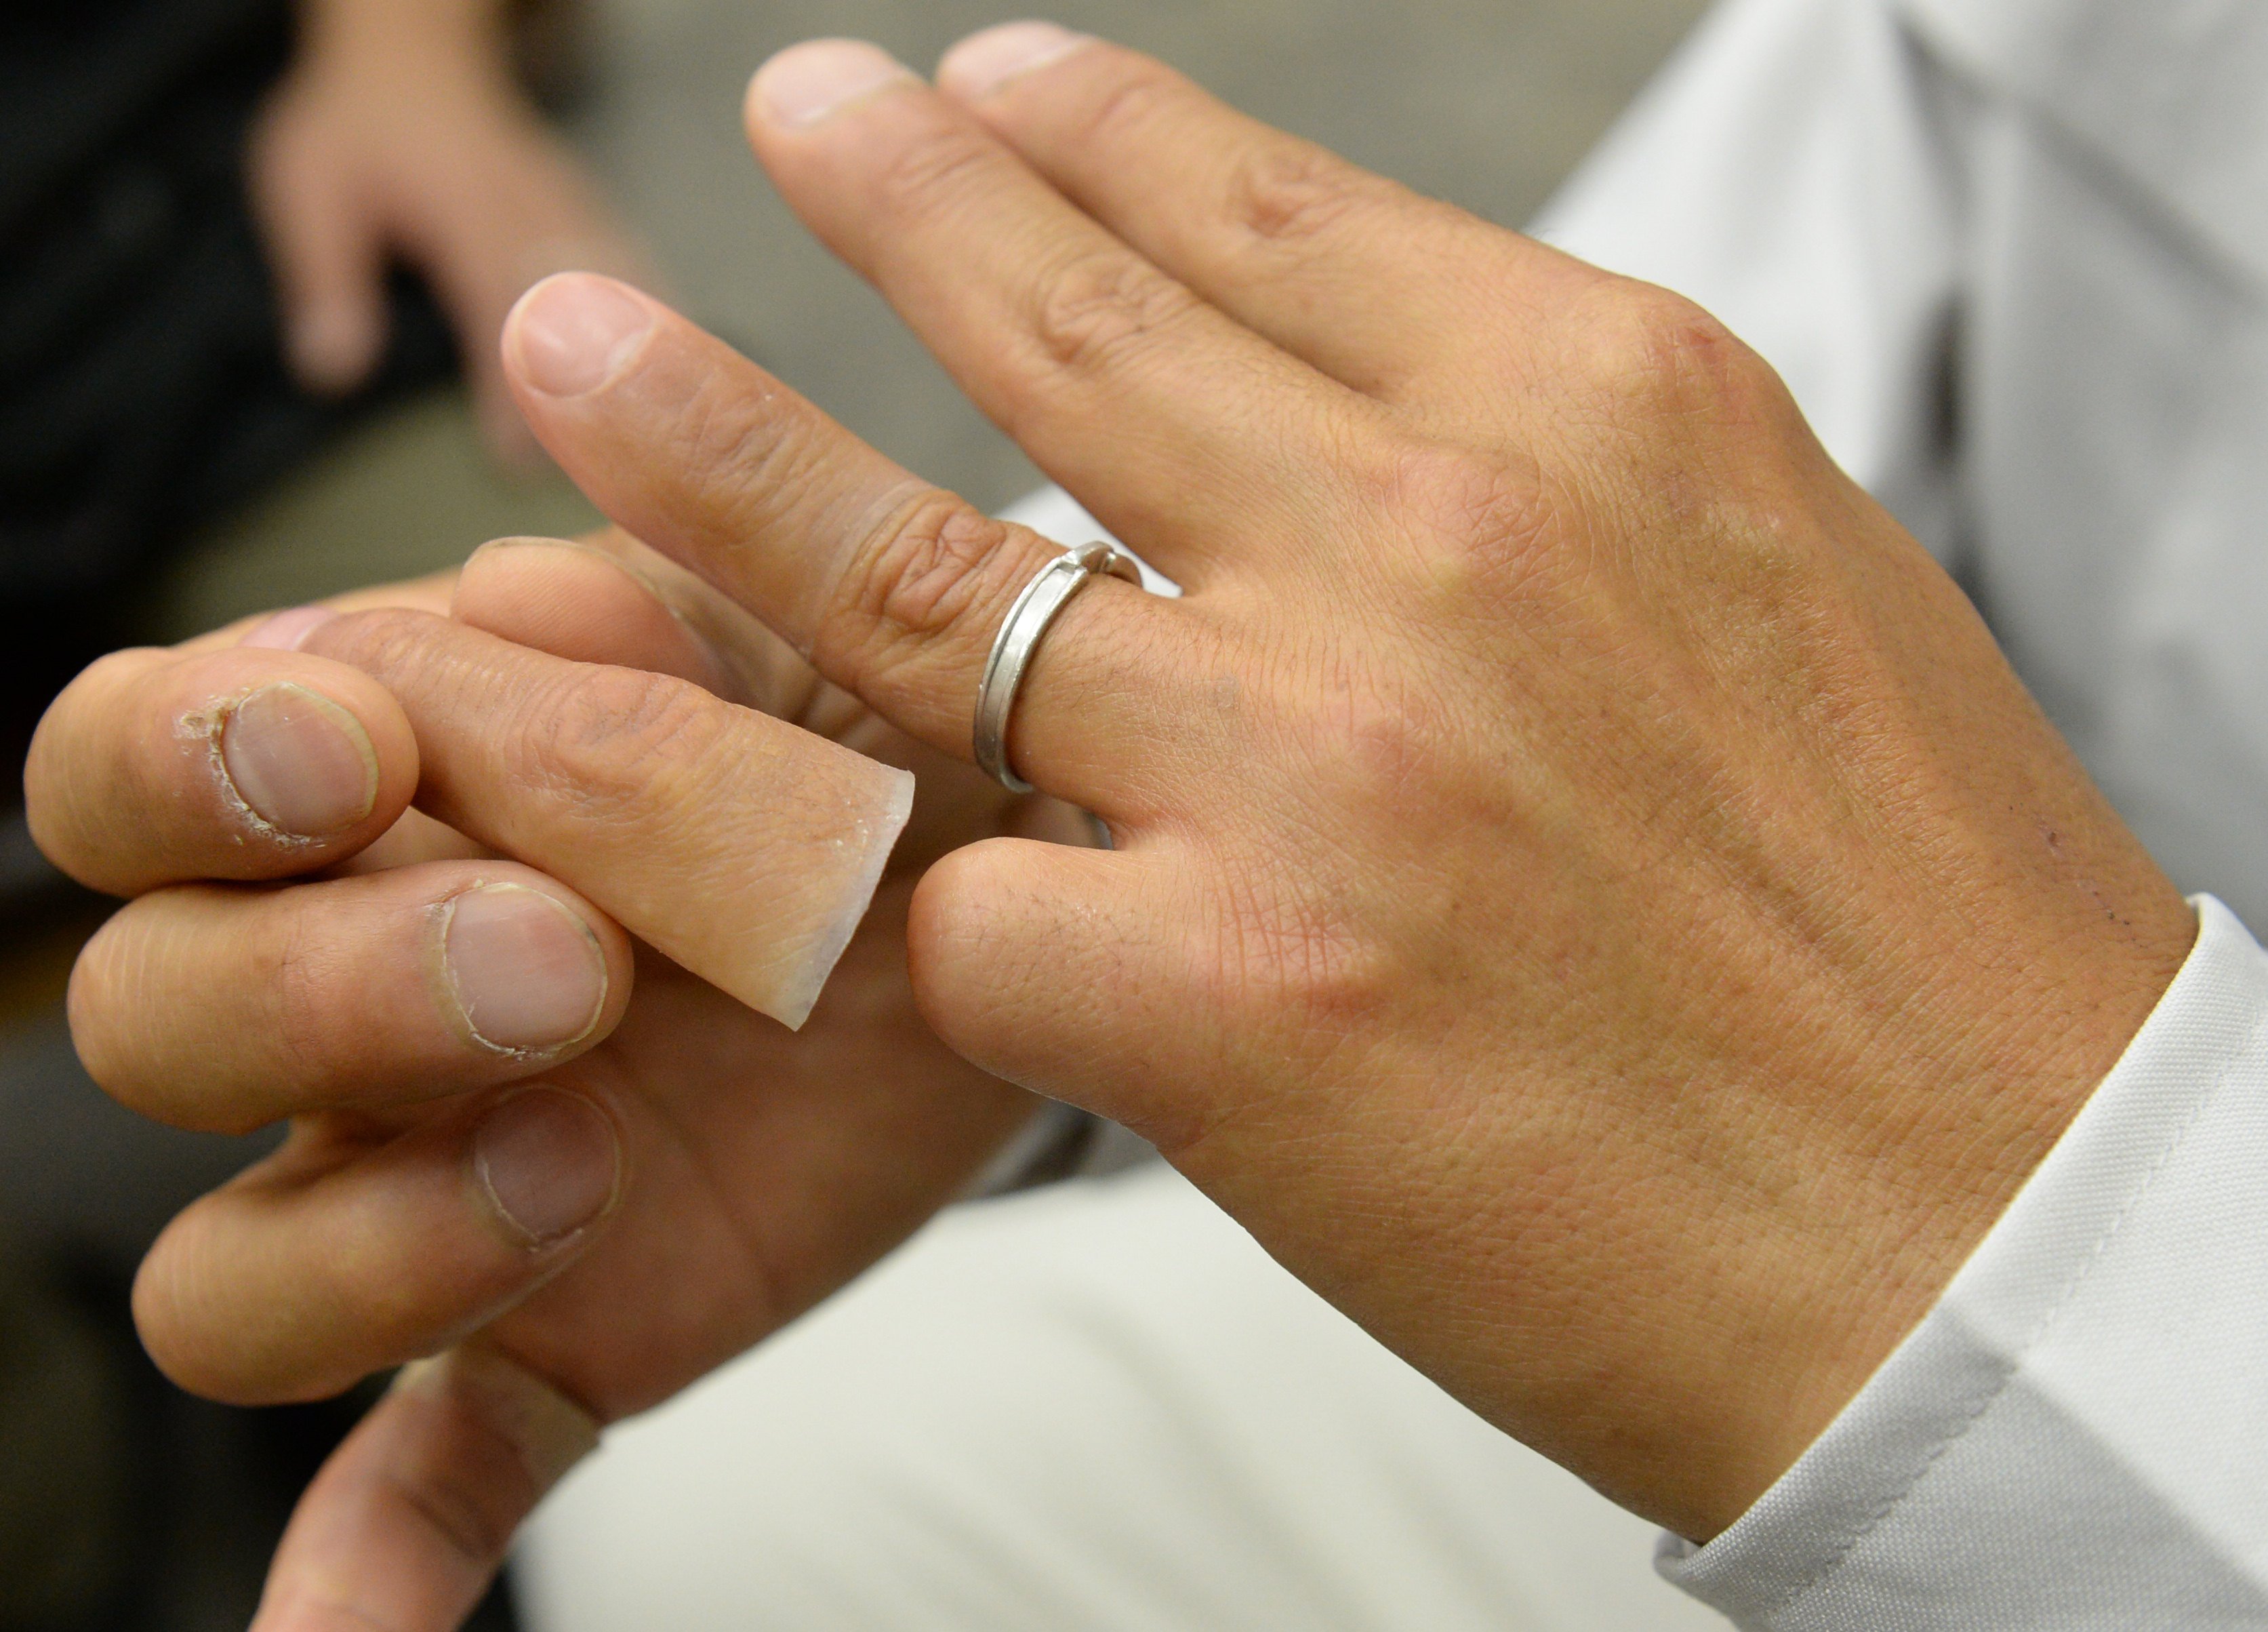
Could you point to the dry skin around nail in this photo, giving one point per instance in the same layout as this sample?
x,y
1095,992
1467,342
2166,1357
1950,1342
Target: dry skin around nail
x,y
208,727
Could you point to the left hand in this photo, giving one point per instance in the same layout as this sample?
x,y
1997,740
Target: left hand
x,y
399,134
313,969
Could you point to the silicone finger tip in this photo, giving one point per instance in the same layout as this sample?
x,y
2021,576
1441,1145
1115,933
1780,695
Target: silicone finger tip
x,y
867,843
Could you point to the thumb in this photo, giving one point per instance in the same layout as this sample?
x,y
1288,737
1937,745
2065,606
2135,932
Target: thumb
x,y
328,258
409,1521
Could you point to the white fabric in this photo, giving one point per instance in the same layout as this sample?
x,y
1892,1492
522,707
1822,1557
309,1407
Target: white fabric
x,y
2077,1436
1100,1407
2010,255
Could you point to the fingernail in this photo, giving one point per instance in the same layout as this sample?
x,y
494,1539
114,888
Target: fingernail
x,y
805,84
573,333
298,761
982,63
526,972
549,1161
286,632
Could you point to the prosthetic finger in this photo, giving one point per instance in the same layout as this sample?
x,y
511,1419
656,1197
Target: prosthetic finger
x,y
737,844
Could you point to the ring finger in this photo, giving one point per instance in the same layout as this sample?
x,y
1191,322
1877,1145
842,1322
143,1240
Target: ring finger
x,y
287,1283
893,589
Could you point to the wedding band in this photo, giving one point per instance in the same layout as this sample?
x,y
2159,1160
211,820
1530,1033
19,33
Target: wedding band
x,y
1051,588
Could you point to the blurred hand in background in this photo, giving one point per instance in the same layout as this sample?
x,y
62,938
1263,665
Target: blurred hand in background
x,y
401,133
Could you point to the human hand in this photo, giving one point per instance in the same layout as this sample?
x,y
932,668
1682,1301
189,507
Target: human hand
x,y
399,134
689,1174
1589,894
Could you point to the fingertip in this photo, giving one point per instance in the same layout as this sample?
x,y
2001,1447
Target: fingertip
x,y
990,59
298,763
529,973
811,82
573,333
313,756
334,1258
548,1164
242,762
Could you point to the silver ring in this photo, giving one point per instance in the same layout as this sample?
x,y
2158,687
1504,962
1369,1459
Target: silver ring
x,y
1051,588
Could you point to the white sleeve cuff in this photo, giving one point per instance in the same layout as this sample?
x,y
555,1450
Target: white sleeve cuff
x,y
2076,1437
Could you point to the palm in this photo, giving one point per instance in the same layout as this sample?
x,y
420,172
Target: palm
x,y
766,1167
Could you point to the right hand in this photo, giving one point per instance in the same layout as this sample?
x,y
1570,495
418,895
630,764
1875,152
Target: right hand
x,y
689,1176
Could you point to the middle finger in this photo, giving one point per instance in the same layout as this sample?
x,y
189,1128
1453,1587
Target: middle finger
x,y
223,1008
1184,431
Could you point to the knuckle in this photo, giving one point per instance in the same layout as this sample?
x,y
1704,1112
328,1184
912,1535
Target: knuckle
x,y
608,738
1143,98
1102,309
745,447
1466,512
1291,194
924,178
921,575
1661,352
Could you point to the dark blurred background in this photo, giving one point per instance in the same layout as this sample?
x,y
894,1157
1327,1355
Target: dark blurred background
x,y
165,467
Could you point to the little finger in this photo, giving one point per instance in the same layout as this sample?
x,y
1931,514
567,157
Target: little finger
x,y
738,846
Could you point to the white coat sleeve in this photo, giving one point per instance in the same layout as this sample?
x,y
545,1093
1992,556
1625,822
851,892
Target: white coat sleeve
x,y
2076,1437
